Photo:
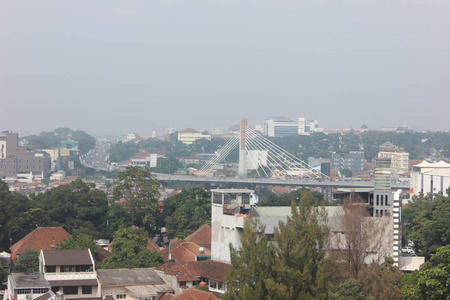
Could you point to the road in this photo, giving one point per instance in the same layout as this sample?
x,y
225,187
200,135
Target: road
x,y
97,158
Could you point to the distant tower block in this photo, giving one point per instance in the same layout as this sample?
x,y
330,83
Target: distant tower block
x,y
242,172
153,134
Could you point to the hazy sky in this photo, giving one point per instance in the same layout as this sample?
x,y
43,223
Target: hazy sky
x,y
109,66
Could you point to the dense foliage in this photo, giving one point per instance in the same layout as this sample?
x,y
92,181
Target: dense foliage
x,y
137,189
292,267
427,223
27,262
186,212
54,138
129,251
17,216
80,240
77,205
122,151
432,281
252,264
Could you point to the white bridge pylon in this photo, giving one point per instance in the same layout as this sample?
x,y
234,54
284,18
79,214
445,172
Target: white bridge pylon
x,y
263,156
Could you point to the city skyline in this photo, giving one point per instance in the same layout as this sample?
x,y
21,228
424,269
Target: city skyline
x,y
116,67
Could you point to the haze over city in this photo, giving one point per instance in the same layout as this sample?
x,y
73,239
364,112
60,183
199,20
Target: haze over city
x,y
110,67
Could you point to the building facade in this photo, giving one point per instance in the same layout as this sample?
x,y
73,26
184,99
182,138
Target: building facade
x,y
190,135
354,161
17,162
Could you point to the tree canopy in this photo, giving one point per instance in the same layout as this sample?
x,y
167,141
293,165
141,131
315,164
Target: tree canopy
x,y
27,262
291,267
17,216
55,137
138,189
252,264
427,223
73,206
431,281
186,212
80,240
129,251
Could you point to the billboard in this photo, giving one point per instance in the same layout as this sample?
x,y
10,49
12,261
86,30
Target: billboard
x,y
69,145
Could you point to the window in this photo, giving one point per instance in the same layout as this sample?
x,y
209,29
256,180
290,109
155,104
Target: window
x,y
121,296
182,283
40,291
23,291
50,269
70,290
55,289
87,289
212,284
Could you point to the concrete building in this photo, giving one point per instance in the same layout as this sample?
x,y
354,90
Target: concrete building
x,y
17,162
132,284
399,161
354,161
430,178
280,126
230,208
189,135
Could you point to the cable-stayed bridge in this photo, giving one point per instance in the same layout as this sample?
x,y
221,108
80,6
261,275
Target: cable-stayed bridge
x,y
265,157
272,164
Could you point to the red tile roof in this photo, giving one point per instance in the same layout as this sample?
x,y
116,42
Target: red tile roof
x,y
195,294
201,236
141,155
189,130
193,270
151,245
42,238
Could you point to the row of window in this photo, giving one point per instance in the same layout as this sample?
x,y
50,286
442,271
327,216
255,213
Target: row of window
x,y
73,290
63,269
31,291
382,198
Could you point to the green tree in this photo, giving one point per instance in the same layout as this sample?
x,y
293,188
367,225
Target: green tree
x,y
122,151
299,269
431,281
139,189
350,289
129,251
73,206
186,212
252,264
17,216
427,223
27,262
3,275
80,240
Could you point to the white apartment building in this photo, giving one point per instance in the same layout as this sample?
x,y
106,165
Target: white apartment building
x,y
399,161
189,135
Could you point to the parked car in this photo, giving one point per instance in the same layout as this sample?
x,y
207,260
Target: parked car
x,y
408,250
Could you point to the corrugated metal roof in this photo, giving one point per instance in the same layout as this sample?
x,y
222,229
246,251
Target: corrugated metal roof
x,y
29,280
128,277
144,291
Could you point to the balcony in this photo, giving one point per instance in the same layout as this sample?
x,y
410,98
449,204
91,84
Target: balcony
x,y
70,276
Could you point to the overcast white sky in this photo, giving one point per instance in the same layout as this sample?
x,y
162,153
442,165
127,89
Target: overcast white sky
x,y
135,66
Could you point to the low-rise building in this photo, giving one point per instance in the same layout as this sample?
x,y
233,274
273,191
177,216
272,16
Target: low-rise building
x,y
189,135
132,284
